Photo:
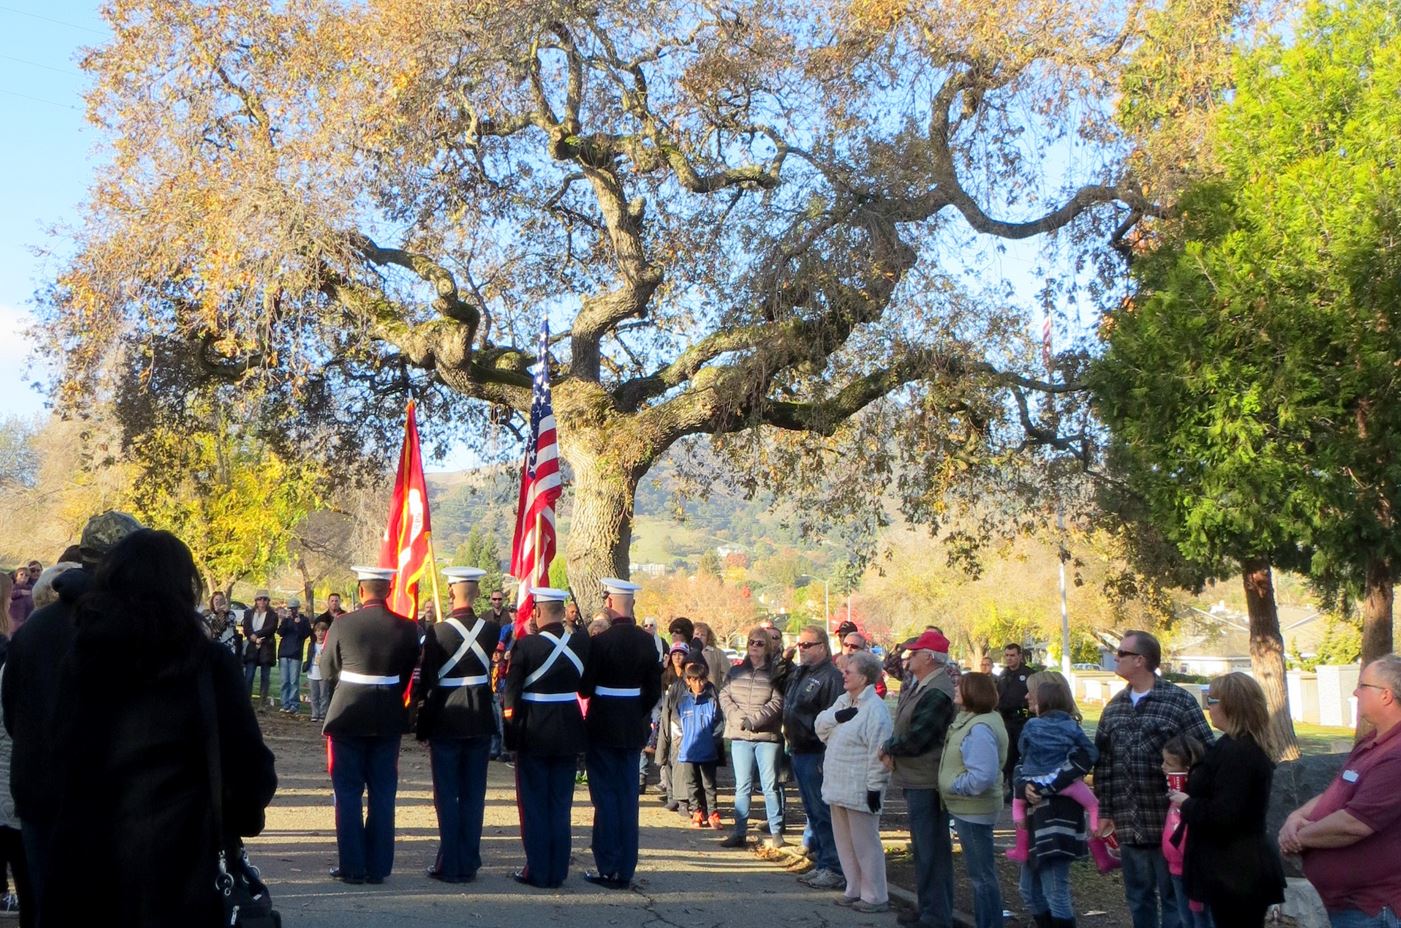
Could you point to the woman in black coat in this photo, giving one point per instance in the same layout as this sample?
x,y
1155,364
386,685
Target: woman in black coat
x,y
135,843
1231,864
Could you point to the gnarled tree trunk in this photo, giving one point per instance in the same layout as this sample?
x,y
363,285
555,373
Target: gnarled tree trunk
x,y
1267,653
600,524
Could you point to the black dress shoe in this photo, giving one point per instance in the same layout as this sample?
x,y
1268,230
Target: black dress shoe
x,y
607,882
435,874
374,880
520,877
336,874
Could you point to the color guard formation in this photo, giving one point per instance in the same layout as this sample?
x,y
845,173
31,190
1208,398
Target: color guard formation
x,y
566,695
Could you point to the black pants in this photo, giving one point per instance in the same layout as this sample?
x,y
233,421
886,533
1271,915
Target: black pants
x,y
698,786
12,853
1014,725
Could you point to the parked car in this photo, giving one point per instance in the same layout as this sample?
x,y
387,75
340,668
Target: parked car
x,y
733,656
1085,667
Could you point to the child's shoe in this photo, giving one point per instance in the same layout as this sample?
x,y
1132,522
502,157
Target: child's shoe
x,y
698,820
715,821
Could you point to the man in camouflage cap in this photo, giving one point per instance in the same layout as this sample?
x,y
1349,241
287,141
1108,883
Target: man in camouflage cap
x,y
30,689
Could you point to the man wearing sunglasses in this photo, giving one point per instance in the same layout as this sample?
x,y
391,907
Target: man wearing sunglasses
x,y
813,687
1137,722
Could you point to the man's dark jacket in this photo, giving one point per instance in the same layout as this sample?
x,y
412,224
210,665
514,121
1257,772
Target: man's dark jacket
x,y
30,693
622,658
810,690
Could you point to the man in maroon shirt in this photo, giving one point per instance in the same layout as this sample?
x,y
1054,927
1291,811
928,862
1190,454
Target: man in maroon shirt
x,y
1350,834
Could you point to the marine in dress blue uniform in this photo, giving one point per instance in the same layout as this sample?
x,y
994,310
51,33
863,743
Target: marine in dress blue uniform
x,y
368,657
458,720
545,727
622,680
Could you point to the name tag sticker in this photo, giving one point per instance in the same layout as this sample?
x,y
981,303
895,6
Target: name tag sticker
x,y
1350,776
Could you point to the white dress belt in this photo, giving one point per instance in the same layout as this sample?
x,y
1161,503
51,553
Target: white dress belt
x,y
350,676
617,691
549,697
482,680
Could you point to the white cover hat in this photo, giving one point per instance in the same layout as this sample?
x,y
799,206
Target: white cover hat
x,y
548,594
463,574
374,573
623,587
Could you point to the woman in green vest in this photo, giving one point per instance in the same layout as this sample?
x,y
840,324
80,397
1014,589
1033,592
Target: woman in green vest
x,y
970,782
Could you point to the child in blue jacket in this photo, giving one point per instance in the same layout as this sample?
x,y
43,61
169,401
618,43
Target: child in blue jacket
x,y
702,744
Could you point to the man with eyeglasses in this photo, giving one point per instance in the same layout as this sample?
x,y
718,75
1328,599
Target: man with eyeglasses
x,y
1350,834
1137,722
813,687
922,719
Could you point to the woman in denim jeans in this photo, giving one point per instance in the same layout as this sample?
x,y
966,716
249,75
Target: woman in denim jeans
x,y
970,780
752,701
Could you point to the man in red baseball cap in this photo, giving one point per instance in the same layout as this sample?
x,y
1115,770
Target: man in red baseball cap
x,y
922,719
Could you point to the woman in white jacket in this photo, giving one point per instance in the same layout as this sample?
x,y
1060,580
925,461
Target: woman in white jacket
x,y
854,779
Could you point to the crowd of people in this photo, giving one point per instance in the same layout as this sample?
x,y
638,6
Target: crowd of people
x,y
159,774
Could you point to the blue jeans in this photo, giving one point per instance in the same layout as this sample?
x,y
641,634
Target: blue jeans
x,y
248,672
1046,888
981,862
361,765
290,669
1148,886
1189,918
1356,918
933,849
745,756
807,770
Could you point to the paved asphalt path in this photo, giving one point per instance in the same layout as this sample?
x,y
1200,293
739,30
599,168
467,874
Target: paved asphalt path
x,y
684,878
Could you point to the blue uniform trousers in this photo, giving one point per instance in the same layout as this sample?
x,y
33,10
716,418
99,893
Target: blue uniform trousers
x,y
545,794
360,764
613,790
459,796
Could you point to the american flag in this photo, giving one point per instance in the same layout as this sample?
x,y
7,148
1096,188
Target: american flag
x,y
533,545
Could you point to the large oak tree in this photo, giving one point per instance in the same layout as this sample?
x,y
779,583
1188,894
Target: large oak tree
x,y
754,218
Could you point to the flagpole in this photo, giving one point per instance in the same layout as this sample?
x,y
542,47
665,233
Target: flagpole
x,y
433,572
539,521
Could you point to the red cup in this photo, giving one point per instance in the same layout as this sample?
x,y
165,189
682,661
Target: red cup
x,y
1177,782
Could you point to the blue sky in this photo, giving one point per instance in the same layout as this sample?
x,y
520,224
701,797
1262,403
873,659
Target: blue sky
x,y
46,162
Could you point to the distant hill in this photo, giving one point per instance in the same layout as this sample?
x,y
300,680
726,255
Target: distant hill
x,y
666,528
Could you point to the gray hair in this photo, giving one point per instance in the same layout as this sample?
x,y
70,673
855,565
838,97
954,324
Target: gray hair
x,y
939,657
44,592
866,664
1388,668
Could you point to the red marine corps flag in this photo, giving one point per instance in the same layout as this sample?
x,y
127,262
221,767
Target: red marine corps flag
x,y
406,546
533,545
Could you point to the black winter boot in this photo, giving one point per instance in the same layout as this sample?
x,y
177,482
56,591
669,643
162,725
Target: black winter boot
x,y
1044,920
1063,923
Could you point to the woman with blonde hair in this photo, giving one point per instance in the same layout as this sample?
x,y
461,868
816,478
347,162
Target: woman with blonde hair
x,y
752,702
1230,862
1055,676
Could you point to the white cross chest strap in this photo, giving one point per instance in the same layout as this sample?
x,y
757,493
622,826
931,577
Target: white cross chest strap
x,y
350,676
561,647
617,691
469,643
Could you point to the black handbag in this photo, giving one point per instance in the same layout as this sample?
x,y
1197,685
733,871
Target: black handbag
x,y
244,897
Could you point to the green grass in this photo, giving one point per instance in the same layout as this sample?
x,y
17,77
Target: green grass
x,y
1313,739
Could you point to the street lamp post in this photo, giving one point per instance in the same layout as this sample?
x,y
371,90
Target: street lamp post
x,y
826,600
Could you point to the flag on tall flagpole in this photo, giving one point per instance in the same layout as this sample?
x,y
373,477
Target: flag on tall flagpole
x,y
533,544
406,537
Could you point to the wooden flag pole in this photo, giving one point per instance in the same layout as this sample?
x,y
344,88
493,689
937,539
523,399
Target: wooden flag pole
x,y
433,572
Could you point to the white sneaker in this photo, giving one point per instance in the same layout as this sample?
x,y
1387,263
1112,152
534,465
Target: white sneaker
x,y
825,879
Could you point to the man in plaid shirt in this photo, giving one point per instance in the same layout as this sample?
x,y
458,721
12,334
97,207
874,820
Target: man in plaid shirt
x,y
1129,775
